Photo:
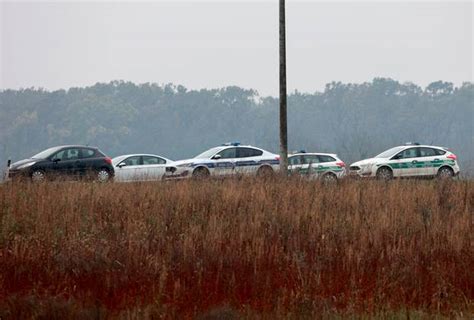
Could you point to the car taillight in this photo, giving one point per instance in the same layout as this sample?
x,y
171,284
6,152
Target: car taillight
x,y
341,164
108,160
452,156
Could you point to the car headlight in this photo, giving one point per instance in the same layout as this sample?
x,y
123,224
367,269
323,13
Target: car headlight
x,y
366,167
26,165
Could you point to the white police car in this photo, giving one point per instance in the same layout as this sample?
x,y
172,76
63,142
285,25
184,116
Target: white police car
x,y
410,160
325,166
228,159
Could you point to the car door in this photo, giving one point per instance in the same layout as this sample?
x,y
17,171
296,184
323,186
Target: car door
x,y
429,159
247,161
66,162
87,162
405,162
295,163
311,165
128,169
224,163
153,167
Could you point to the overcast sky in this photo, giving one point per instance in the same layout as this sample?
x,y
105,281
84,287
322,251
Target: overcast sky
x,y
208,44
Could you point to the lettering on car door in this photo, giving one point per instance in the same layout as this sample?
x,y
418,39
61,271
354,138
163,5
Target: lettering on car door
x,y
405,162
226,163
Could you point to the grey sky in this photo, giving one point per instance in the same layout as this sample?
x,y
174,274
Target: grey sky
x,y
203,44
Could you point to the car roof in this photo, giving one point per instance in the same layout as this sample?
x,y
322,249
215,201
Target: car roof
x,y
312,153
139,154
74,146
421,146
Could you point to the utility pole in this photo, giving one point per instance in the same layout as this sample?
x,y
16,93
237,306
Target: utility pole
x,y
283,96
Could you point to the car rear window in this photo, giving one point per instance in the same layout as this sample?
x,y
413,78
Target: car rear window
x,y
427,152
148,160
248,152
88,153
324,158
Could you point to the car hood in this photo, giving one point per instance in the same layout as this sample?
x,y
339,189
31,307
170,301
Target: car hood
x,y
22,162
368,161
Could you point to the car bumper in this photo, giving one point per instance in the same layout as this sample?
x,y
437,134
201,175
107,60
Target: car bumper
x,y
359,174
15,174
174,173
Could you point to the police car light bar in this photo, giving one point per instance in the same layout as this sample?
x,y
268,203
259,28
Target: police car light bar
x,y
235,144
412,144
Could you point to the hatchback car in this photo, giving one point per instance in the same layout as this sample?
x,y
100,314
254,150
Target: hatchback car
x,y
73,161
139,167
410,160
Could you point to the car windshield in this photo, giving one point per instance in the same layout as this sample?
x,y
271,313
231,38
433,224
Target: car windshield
x,y
390,152
117,160
46,153
209,153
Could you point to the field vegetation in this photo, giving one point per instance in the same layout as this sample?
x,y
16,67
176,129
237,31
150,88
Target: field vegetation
x,y
240,248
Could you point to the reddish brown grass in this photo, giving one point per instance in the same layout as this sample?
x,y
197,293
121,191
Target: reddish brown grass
x,y
236,248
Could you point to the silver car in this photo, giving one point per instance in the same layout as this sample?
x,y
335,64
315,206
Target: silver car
x,y
139,167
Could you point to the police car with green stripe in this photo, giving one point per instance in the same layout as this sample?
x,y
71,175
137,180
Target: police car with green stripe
x,y
227,159
410,160
325,166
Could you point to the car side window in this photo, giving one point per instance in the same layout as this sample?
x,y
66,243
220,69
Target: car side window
x,y
132,161
59,155
67,154
248,152
149,160
439,152
308,159
324,158
87,153
228,153
407,154
427,152
294,160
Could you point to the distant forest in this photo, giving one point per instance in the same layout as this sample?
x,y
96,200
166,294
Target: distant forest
x,y
352,120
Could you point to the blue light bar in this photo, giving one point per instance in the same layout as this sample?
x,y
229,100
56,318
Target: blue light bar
x,y
235,144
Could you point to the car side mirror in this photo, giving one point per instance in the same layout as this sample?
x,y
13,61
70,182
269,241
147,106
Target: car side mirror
x,y
396,157
56,160
217,157
121,164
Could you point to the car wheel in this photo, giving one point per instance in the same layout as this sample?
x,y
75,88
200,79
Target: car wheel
x,y
329,178
265,172
103,175
384,173
38,176
200,173
445,173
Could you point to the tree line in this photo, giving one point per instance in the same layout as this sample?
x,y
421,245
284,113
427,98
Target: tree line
x,y
353,120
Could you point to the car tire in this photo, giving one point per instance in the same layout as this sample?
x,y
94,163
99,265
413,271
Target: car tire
x,y
329,178
103,175
38,176
384,174
201,173
445,173
265,172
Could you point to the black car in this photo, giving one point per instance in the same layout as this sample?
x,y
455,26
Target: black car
x,y
64,161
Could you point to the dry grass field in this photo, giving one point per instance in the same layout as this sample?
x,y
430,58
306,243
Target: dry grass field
x,y
224,249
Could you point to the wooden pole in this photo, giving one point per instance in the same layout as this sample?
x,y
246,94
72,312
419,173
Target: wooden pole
x,y
283,95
